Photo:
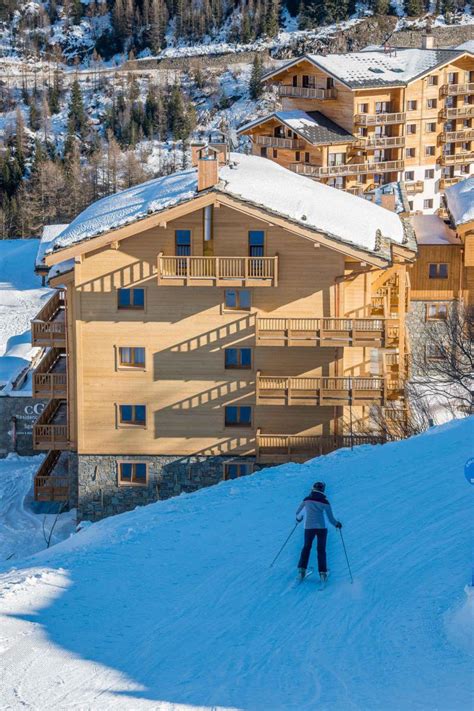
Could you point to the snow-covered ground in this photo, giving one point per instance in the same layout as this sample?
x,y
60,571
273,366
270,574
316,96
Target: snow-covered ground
x,y
174,606
23,532
21,297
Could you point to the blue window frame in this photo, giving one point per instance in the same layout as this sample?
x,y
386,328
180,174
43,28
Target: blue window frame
x,y
131,298
132,415
238,358
237,299
256,243
238,416
183,243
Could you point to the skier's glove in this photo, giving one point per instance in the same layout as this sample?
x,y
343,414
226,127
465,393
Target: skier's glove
x,y
338,524
299,519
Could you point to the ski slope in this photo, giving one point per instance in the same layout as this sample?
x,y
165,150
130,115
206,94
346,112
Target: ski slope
x,y
173,606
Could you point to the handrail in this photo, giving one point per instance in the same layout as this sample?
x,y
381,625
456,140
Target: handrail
x,y
306,92
382,118
52,306
217,268
347,168
456,89
279,142
321,389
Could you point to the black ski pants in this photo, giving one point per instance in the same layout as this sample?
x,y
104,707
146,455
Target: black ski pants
x,y
309,536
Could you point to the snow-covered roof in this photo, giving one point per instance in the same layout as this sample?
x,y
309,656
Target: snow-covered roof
x,y
313,126
256,181
431,229
374,68
50,232
468,46
460,201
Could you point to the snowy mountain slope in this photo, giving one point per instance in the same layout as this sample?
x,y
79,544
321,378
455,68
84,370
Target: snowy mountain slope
x,y
173,606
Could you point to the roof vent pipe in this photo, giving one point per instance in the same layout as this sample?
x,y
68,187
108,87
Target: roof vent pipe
x,y
427,41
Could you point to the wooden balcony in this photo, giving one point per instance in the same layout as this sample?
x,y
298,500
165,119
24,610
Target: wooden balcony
x,y
466,134
379,119
51,485
293,144
447,182
306,92
50,377
324,332
217,271
414,188
309,391
329,171
456,89
380,142
50,430
466,111
457,158
49,326
280,448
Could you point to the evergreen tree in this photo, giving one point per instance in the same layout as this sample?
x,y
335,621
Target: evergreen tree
x,y
255,83
77,121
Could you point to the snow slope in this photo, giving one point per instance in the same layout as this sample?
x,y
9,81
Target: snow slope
x,y
21,297
174,606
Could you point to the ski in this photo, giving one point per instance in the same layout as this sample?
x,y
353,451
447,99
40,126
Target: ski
x,y
309,572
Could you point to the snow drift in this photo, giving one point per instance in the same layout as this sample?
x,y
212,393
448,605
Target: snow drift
x,y
174,606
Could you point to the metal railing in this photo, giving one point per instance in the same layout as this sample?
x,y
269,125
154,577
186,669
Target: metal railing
x,y
278,142
306,92
217,270
379,119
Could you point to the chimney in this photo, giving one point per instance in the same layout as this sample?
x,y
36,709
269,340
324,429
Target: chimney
x,y
427,40
387,200
207,161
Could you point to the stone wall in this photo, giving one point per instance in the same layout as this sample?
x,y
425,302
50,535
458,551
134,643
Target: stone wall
x,y
17,416
418,328
99,494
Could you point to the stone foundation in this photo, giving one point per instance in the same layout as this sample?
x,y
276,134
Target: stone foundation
x,y
100,495
418,328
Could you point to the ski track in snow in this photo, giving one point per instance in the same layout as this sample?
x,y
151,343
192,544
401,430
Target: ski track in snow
x,y
174,606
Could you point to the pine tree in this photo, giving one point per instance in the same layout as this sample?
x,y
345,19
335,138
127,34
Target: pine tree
x,y
413,8
255,83
77,121
272,15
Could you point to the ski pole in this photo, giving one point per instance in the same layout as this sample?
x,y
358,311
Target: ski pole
x,y
292,532
347,559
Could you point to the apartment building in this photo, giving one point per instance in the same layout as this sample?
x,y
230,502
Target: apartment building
x,y
211,322
360,120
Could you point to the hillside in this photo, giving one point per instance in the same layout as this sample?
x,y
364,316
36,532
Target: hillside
x,y
174,606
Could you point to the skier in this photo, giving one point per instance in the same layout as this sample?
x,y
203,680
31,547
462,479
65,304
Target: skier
x,y
315,507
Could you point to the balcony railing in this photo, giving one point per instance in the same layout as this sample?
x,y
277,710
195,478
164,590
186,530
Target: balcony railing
x,y
48,486
466,134
331,332
49,326
457,158
50,377
465,111
414,188
347,168
277,448
50,430
380,142
447,182
277,142
379,119
456,89
217,271
288,390
306,92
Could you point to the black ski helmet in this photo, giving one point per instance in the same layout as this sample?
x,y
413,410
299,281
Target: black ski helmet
x,y
319,486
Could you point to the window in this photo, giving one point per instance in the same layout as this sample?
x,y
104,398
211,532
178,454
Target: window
x,y
410,204
436,312
256,243
131,299
233,470
411,128
263,151
240,358
409,175
134,415
432,80
237,299
430,150
381,107
433,352
131,357
431,103
132,473
430,127
306,157
464,169
275,153
297,156
438,271
410,152
452,77
429,174
363,108
183,242
427,204
411,105
238,416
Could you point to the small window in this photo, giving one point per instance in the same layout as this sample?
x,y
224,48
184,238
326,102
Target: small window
x,y
131,299
183,243
256,243
275,153
411,105
131,357
363,108
438,271
240,358
430,127
427,204
452,77
432,80
429,174
132,473
431,103
297,156
234,470
430,150
411,128
306,157
410,152
436,312
237,299
238,416
134,415
433,352
263,151
409,175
